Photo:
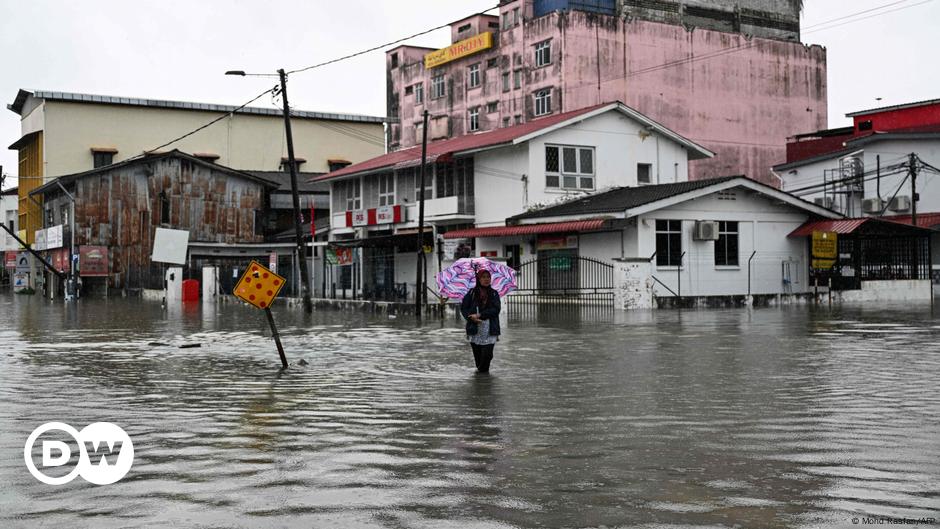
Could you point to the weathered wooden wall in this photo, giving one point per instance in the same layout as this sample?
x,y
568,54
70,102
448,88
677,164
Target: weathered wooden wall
x,y
122,208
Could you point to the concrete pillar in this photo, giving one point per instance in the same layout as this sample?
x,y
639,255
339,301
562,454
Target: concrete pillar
x,y
174,285
210,283
633,284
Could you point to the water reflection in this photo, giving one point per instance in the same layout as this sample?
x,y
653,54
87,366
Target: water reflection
x,y
758,418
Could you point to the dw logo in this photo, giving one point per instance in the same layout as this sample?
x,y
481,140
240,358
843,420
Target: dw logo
x,y
106,453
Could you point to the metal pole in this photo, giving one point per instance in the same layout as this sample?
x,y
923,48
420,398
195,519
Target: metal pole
x,y
749,273
301,252
419,281
70,282
277,337
679,278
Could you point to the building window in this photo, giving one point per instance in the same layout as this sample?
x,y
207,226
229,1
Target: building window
x,y
569,167
419,93
164,208
518,119
465,27
353,195
506,82
492,107
474,119
507,22
726,247
386,189
543,102
668,243
517,79
409,90
335,165
437,86
474,75
102,158
543,53
515,17
394,60
865,125
428,184
492,63
506,121
644,173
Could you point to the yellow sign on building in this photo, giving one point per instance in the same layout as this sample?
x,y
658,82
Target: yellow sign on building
x,y
459,50
258,286
825,249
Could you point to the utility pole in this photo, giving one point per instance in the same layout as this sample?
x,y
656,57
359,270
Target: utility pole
x,y
419,282
301,251
913,172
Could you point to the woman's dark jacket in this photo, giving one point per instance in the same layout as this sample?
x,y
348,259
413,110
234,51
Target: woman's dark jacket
x,y
470,305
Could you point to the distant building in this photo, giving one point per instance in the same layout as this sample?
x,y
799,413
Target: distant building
x,y
66,133
729,75
8,216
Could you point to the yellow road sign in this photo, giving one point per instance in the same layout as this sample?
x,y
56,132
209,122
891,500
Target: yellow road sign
x,y
258,286
825,245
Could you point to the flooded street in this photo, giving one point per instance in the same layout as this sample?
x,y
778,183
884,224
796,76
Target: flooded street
x,y
795,417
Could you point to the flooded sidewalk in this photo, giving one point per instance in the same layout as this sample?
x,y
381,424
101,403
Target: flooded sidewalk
x,y
782,417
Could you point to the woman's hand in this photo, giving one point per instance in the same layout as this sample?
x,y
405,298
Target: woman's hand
x,y
475,318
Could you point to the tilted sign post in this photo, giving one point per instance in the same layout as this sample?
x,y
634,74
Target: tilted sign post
x,y
258,287
169,247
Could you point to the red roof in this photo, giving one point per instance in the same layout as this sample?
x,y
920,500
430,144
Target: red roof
x,y
443,148
527,229
847,226
924,220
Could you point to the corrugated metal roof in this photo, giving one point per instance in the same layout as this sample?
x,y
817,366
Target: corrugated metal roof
x,y
893,107
527,229
185,105
840,226
924,220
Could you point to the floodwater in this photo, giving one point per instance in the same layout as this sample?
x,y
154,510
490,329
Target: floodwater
x,y
793,417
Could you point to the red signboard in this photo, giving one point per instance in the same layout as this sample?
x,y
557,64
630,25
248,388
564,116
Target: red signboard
x,y
374,216
9,260
93,261
60,259
313,224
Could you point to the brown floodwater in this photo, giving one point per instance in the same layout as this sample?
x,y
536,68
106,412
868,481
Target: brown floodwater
x,y
792,417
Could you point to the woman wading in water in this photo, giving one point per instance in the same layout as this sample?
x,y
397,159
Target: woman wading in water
x,y
480,307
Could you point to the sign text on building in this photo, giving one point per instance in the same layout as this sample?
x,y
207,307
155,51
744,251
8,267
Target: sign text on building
x,y
459,50
825,249
371,217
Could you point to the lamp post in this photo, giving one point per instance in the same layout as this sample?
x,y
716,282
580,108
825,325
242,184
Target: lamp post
x,y
301,253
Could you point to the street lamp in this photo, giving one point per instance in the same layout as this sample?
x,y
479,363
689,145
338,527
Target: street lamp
x,y
301,253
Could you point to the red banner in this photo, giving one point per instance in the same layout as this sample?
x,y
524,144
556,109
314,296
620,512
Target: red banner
x,y
9,260
93,261
60,259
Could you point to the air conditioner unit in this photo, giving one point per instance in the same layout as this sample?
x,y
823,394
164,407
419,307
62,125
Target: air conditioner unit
x,y
873,205
825,202
901,203
705,230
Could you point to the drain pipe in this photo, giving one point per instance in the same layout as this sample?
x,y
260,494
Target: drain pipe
x,y
749,275
679,277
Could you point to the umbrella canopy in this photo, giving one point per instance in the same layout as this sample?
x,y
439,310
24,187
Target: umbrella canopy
x,y
456,280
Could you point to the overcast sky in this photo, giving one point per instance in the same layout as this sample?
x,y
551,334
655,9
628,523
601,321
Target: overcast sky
x,y
179,49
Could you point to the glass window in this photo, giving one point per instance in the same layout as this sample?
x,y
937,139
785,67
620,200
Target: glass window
x,y
543,53
515,16
428,183
474,75
102,159
506,121
517,79
543,102
419,93
726,247
506,82
491,63
437,87
644,173
668,243
386,189
569,167
474,119
492,107
353,195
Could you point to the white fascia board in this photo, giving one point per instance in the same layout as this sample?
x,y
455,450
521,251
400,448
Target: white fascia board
x,y
577,119
572,218
737,182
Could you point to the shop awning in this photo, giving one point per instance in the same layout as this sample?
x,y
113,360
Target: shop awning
x,y
849,226
527,229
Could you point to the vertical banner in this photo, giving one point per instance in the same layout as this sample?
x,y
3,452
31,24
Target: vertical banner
x,y
272,262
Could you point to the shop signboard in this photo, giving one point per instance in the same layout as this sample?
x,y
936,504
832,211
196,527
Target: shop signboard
x,y
825,249
375,216
9,260
556,242
272,262
459,50
39,241
54,237
20,281
458,248
93,261
60,259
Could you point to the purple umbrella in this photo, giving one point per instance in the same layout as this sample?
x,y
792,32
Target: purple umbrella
x,y
456,280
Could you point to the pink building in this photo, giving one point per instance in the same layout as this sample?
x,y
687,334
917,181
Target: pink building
x,y
738,95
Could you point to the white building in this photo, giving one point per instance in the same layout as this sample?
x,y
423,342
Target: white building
x,y
8,216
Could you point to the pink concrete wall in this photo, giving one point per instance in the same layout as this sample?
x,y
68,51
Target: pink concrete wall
x,y
739,97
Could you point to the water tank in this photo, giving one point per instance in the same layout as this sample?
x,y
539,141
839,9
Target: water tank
x,y
606,7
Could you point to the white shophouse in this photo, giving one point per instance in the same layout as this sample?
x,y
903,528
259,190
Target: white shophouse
x,y
590,206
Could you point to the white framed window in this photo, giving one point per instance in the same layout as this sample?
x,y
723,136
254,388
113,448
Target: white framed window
x,y
474,115
386,189
669,243
353,195
428,183
437,87
543,102
569,167
543,53
492,107
419,93
726,247
474,75
517,79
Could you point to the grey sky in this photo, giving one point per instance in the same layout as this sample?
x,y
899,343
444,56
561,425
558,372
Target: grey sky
x,y
173,49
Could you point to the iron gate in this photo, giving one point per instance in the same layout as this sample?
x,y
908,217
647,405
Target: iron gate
x,y
563,278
